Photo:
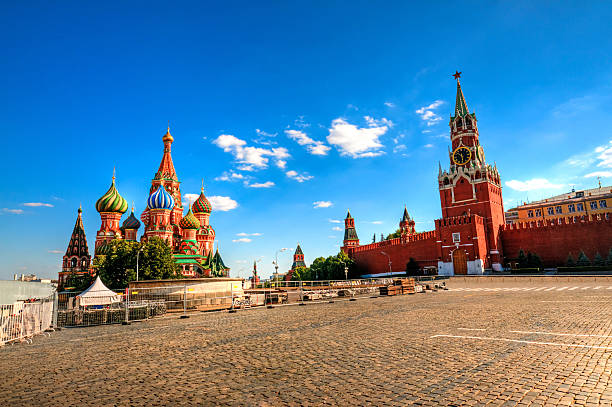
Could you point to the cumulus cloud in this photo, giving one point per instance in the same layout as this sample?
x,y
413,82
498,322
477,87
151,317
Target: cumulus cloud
x,y
222,203
322,204
428,145
298,177
532,184
605,155
314,147
427,114
337,228
188,199
281,164
602,174
267,184
35,204
230,176
249,158
242,240
12,211
358,142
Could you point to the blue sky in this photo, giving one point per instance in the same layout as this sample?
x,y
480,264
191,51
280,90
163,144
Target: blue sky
x,y
281,105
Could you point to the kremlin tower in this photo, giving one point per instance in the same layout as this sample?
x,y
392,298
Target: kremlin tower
x,y
407,224
298,261
111,207
350,234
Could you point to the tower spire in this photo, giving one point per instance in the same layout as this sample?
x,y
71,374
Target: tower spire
x,y
461,108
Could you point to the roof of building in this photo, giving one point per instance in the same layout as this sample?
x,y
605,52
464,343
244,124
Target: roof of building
x,y
406,217
350,234
131,222
189,221
166,167
201,205
111,201
78,239
160,199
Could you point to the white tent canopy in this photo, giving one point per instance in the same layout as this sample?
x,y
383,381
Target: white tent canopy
x,y
97,294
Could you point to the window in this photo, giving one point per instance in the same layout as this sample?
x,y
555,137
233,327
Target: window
x,y
580,207
456,237
571,208
603,204
593,204
530,213
579,194
550,210
538,212
559,209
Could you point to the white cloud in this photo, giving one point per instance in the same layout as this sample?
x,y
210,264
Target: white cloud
x,y
322,204
399,147
55,251
267,184
37,204
264,134
376,222
13,211
299,178
230,176
602,174
222,203
248,234
190,198
428,145
281,164
314,147
532,184
242,240
427,113
337,228
605,156
335,221
250,158
389,104
358,142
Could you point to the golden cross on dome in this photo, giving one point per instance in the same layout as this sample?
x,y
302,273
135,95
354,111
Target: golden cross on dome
x,y
202,185
113,174
457,75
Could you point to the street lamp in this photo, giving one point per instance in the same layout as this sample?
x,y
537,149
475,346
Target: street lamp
x,y
390,271
275,262
137,255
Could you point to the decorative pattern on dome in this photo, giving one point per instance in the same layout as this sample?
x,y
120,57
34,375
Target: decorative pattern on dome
x,y
160,199
111,201
201,205
102,249
189,221
131,222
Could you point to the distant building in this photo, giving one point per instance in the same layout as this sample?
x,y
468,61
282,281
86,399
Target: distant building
x,y
574,203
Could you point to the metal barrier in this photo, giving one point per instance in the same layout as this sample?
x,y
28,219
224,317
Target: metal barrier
x,y
22,320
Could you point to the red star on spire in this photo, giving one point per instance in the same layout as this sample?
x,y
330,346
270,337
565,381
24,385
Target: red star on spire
x,y
457,75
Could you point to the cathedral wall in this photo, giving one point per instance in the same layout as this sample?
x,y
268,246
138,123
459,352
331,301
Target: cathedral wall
x,y
554,242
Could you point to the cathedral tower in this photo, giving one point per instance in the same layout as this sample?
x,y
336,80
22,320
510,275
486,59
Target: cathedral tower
x,y
77,258
206,234
110,206
130,227
471,186
160,207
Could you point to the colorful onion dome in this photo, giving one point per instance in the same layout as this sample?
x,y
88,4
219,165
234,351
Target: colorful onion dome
x,y
102,249
111,201
189,221
201,205
168,137
131,222
160,199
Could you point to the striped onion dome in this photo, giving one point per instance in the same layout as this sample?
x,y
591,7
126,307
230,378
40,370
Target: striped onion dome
x,y
201,205
131,222
102,249
189,221
111,201
160,199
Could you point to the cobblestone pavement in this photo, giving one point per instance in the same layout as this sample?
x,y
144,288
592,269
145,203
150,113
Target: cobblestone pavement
x,y
446,348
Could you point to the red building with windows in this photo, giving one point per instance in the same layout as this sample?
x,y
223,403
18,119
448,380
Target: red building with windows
x,y
471,235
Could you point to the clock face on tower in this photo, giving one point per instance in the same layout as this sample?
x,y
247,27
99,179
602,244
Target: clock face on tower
x,y
462,155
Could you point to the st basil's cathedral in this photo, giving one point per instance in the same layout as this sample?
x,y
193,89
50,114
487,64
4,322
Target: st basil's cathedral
x,y
191,236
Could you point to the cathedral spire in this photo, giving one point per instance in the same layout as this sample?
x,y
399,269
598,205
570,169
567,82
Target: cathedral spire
x,y
461,108
166,167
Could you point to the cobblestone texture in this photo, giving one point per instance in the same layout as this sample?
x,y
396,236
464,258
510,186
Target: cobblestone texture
x,y
374,351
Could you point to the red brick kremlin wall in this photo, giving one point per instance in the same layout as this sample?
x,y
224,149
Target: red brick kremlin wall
x,y
421,246
553,242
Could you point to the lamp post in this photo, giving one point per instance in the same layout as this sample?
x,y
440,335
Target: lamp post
x,y
390,271
137,255
275,262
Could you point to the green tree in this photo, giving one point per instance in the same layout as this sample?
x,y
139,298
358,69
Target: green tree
x,y
609,258
118,266
318,269
301,273
598,260
78,282
570,261
395,234
522,259
583,260
534,261
412,267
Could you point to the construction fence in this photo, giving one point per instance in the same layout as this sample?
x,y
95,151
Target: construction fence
x,y
22,320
